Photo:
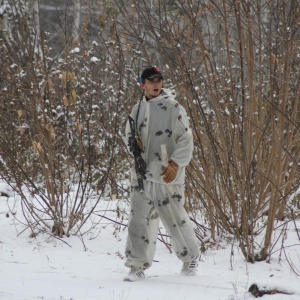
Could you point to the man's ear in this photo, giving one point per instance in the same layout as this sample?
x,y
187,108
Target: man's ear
x,y
142,85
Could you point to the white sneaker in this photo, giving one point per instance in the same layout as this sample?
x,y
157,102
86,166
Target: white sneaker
x,y
135,274
189,268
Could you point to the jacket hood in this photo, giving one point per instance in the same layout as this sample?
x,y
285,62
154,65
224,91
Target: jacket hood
x,y
169,92
165,92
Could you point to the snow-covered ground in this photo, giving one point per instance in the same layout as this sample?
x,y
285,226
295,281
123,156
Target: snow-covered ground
x,y
92,267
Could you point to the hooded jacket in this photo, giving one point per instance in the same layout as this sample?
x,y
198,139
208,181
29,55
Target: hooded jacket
x,y
163,128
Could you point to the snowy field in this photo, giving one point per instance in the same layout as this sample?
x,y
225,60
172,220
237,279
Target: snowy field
x,y
92,267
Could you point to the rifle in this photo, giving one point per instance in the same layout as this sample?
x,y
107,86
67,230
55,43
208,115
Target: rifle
x,y
140,165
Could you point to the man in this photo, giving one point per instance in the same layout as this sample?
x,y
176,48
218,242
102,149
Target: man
x,y
166,145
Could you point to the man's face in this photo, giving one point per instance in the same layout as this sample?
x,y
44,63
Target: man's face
x,y
152,87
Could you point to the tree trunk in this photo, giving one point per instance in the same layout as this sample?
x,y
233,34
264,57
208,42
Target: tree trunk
x,y
36,28
5,30
76,20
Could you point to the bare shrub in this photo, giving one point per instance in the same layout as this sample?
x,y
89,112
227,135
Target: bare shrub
x,y
61,127
236,68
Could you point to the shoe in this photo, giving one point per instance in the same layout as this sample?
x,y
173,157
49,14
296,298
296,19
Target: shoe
x,y
135,274
189,268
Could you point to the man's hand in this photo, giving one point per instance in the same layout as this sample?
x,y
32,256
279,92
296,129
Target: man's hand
x,y
170,172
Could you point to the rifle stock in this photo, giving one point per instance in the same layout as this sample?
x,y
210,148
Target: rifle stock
x,y
140,165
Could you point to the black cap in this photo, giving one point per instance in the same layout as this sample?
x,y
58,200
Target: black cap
x,y
151,73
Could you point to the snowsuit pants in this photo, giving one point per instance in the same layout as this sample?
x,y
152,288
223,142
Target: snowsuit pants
x,y
158,202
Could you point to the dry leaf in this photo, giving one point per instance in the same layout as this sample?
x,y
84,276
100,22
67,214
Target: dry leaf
x,y
51,131
71,76
73,96
65,101
51,86
78,126
64,79
20,113
37,147
21,130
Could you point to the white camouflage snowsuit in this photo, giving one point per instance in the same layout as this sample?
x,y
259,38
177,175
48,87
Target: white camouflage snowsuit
x,y
165,134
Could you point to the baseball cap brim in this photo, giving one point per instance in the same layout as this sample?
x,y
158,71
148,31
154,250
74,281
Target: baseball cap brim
x,y
154,76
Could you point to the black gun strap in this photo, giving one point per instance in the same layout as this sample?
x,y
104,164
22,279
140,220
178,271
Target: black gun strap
x,y
137,114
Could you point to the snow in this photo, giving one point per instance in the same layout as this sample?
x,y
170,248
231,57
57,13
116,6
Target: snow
x,y
94,59
92,266
75,50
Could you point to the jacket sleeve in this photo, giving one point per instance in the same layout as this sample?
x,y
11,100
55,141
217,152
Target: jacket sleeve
x,y
183,139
